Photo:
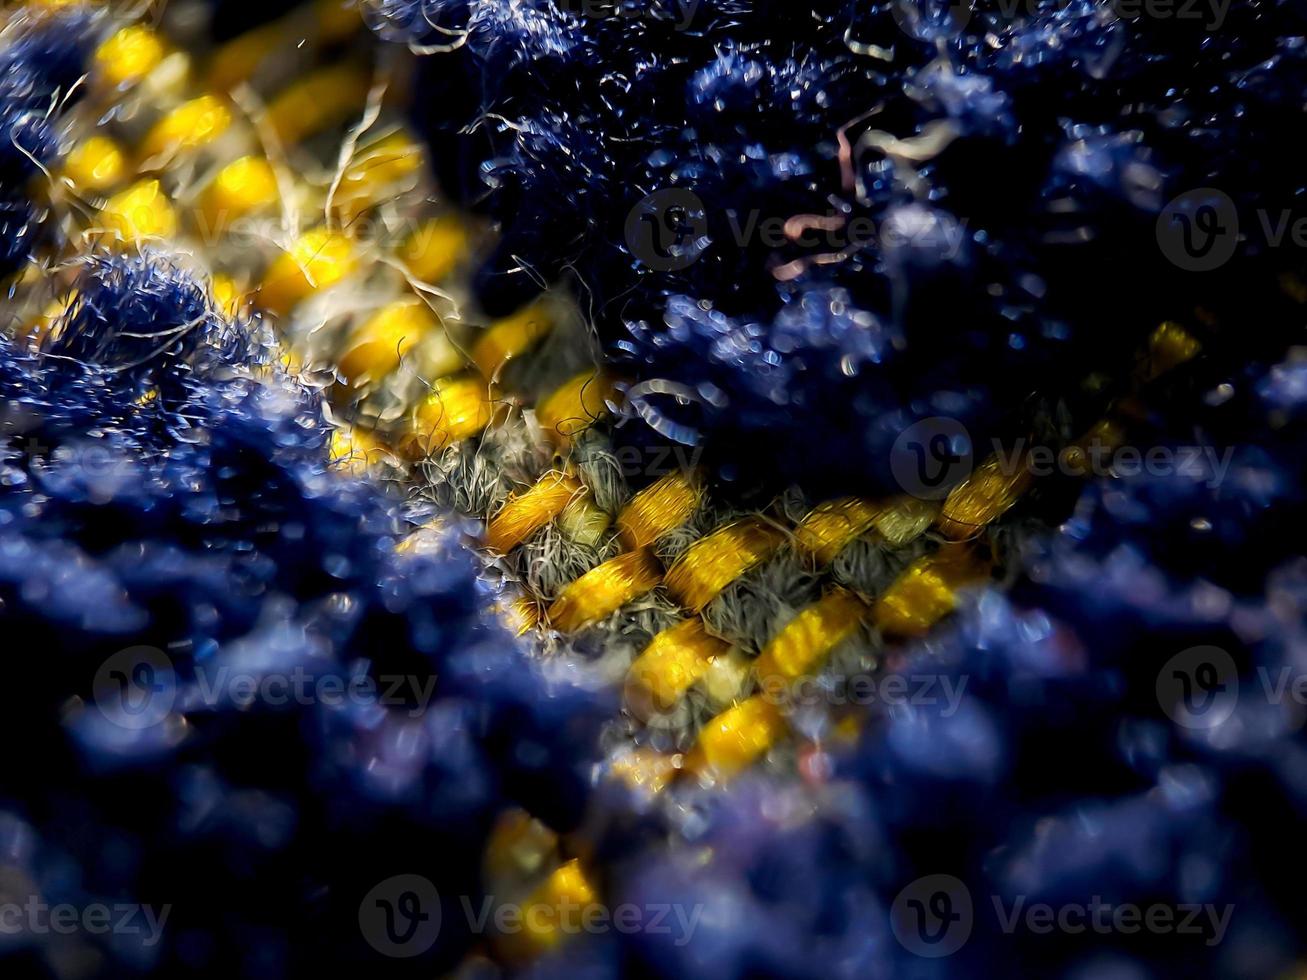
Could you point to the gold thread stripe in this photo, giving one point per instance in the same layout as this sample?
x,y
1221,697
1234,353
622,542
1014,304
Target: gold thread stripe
x,y
805,642
984,496
673,661
457,408
718,559
551,912
576,405
926,591
734,739
904,519
379,345
659,508
603,590
510,337
529,511
831,526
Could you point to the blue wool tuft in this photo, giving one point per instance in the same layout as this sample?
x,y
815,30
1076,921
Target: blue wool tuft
x,y
41,61
1043,142
1038,749
168,517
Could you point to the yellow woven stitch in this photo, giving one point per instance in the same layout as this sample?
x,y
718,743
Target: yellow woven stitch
x,y
736,738
984,496
671,663
808,639
127,56
575,406
375,172
435,248
510,337
188,127
583,522
243,187
718,559
227,294
904,519
553,912
137,213
524,614
355,450
601,591
926,591
378,346
660,508
517,845
95,164
528,512
1169,346
831,526
643,769
317,259
455,409
320,100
